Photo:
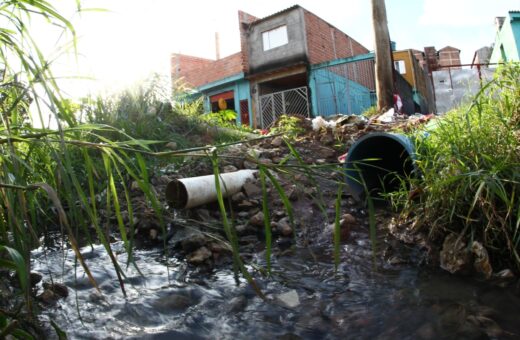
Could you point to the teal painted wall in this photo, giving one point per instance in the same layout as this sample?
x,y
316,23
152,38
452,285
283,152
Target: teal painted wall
x,y
507,41
240,89
332,94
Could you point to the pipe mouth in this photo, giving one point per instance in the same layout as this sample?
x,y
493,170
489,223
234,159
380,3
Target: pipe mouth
x,y
381,161
176,194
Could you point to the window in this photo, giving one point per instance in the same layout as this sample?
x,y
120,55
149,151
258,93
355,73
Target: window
x,y
399,66
275,37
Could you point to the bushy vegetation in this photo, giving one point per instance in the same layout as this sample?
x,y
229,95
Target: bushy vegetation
x,y
144,111
57,178
289,126
469,162
371,112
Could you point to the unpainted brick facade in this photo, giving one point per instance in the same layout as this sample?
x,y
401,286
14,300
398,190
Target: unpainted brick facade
x,y
431,59
199,71
449,56
325,42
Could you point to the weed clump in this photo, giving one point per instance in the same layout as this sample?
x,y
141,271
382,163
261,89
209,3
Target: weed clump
x,y
470,181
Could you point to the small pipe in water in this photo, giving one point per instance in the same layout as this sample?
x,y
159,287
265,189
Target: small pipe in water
x,y
191,192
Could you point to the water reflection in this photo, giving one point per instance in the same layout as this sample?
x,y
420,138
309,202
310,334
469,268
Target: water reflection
x,y
306,299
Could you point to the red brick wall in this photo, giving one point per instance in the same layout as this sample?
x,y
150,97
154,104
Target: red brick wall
x,y
244,20
449,56
199,71
325,42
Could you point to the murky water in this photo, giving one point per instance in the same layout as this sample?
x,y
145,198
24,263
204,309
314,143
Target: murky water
x,y
388,299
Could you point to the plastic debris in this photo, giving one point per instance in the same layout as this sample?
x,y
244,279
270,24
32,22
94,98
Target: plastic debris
x,y
387,117
318,123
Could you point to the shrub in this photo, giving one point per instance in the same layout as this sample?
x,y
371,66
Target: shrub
x,y
469,164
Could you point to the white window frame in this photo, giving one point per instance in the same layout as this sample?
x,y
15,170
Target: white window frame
x,y
275,37
400,66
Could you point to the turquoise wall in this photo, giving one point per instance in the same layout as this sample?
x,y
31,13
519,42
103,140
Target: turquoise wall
x,y
507,41
333,94
240,88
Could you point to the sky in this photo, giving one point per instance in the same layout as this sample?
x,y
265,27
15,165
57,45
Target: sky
x,y
130,39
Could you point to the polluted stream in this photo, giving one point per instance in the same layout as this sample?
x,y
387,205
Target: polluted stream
x,y
392,291
385,294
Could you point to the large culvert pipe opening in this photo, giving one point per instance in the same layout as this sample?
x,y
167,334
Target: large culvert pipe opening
x,y
381,161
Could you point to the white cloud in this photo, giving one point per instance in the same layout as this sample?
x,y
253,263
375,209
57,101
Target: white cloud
x,y
464,13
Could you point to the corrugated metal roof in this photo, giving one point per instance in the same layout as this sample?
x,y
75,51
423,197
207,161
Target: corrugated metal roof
x,y
288,9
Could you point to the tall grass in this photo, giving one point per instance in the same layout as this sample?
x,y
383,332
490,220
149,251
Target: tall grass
x,y
470,180
53,178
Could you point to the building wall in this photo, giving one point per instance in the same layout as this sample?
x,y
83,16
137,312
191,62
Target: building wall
x,y
336,94
183,66
449,56
240,90
406,57
244,23
507,40
418,79
292,53
325,42
199,71
457,87
482,55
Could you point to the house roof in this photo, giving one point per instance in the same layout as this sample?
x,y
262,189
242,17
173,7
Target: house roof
x,y
288,9
450,48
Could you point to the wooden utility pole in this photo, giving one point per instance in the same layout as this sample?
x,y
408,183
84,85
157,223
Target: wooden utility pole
x,y
384,67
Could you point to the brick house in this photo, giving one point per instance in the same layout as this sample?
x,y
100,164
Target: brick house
x,y
432,60
287,64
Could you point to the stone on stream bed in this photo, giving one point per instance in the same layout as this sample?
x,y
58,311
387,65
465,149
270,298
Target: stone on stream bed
x,y
284,227
174,302
288,299
277,141
193,242
52,292
257,220
252,189
199,256
455,256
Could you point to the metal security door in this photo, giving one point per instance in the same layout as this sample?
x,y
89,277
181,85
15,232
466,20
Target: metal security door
x,y
288,102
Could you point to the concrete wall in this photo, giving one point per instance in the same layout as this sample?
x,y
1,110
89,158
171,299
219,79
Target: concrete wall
x,y
507,40
459,87
291,53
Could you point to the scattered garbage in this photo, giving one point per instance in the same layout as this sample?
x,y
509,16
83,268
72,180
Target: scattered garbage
x,y
318,123
387,117
195,191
